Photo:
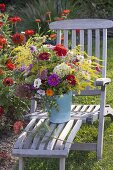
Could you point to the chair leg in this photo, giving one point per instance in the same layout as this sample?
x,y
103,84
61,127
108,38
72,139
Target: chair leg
x,y
62,164
21,163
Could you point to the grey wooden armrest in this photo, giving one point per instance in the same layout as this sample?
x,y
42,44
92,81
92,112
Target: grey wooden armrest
x,y
102,81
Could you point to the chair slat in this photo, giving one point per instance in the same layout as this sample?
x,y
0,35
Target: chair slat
x,y
73,39
58,36
89,51
82,40
66,38
97,43
104,54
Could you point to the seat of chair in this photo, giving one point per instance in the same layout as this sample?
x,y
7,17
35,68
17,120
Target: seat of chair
x,y
35,141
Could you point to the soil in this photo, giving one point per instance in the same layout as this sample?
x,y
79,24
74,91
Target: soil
x,y
7,161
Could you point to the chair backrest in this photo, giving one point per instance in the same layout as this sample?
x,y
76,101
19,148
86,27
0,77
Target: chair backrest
x,y
91,30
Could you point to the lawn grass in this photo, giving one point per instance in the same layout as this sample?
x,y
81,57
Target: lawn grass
x,y
78,160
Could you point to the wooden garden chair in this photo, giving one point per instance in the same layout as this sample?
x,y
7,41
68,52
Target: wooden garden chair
x,y
58,141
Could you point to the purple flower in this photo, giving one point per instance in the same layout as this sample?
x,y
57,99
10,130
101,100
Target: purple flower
x,y
43,75
30,67
53,80
32,49
22,68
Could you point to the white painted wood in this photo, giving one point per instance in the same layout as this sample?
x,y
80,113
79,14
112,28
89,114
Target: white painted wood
x,y
72,134
58,36
89,51
62,164
63,135
82,40
66,38
102,81
101,124
28,141
90,108
47,137
33,105
23,135
104,53
81,24
55,136
97,43
21,163
73,37
40,153
84,146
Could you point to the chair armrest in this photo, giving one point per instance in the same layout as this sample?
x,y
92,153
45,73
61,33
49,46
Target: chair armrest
x,y
102,81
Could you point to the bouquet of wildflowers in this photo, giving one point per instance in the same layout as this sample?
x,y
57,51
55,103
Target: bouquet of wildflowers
x,y
45,70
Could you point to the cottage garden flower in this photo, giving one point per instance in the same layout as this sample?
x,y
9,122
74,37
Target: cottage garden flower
x,y
52,70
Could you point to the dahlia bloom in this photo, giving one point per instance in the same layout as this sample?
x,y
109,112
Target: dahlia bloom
x,y
18,38
53,80
44,56
60,50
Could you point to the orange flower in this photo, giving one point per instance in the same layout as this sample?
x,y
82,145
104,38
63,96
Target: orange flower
x,y
66,11
49,92
53,36
37,20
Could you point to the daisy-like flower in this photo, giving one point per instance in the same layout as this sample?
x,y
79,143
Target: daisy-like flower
x,y
62,70
53,80
37,83
49,92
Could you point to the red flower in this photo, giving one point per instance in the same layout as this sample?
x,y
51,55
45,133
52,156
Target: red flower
x,y
1,36
37,20
18,126
2,7
60,50
66,11
3,41
15,19
1,24
43,56
10,66
8,81
71,79
29,32
18,38
1,110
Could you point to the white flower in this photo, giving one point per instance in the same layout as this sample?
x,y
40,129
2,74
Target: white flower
x,y
37,83
62,70
41,92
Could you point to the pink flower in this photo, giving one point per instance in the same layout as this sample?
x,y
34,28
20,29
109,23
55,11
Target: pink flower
x,y
18,126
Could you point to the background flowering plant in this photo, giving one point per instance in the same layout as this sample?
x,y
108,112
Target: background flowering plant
x,y
45,71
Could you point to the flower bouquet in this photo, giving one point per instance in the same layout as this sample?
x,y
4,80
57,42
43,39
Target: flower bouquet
x,y
50,73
